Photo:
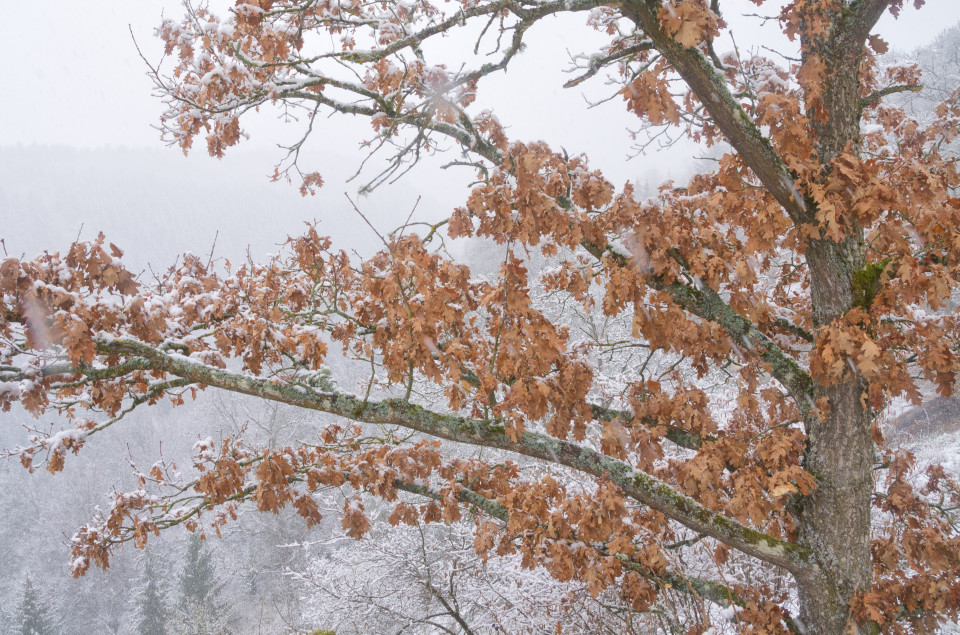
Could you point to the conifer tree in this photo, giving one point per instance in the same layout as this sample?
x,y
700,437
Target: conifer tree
x,y
200,610
33,613
150,611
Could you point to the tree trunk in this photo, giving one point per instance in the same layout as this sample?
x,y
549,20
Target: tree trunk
x,y
834,522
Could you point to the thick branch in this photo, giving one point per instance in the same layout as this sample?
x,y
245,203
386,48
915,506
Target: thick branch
x,y
91,373
790,327
489,507
863,16
872,98
707,304
679,436
711,89
635,484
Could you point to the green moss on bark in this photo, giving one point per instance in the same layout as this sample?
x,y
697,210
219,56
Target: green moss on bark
x,y
866,283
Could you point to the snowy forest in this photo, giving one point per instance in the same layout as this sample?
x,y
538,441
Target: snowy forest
x,y
358,562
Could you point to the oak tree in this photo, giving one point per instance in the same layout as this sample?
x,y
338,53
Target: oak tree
x,y
804,275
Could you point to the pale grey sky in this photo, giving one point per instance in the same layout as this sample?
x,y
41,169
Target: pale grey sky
x,y
72,77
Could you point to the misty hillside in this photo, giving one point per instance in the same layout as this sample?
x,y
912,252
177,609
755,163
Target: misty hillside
x,y
157,204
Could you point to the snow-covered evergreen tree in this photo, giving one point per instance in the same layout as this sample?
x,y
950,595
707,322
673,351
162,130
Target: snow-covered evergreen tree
x,y
150,612
33,616
200,610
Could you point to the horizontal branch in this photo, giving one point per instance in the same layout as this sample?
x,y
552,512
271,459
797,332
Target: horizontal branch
x,y
8,373
597,62
676,435
636,484
489,507
874,97
528,13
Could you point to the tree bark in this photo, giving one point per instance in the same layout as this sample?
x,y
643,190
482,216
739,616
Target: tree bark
x,y
834,522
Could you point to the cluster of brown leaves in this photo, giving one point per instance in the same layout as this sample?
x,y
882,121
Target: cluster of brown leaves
x,y
917,552
690,22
